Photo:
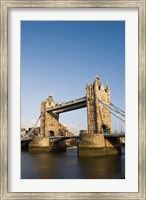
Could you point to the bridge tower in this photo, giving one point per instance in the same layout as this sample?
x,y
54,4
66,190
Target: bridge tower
x,y
99,118
49,121
49,124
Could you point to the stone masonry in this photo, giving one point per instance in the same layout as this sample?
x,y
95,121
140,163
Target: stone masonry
x,y
99,118
50,125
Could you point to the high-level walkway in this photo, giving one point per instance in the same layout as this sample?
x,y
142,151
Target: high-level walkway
x,y
81,103
68,106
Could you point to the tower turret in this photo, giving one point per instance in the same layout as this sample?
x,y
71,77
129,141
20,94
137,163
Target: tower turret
x,y
87,85
107,87
50,102
97,82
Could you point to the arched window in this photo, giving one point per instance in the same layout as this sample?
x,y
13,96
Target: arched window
x,y
51,133
104,129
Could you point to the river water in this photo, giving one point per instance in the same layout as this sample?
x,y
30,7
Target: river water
x,y
68,166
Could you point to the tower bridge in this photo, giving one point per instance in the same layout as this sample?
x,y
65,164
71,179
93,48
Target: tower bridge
x,y
97,101
99,110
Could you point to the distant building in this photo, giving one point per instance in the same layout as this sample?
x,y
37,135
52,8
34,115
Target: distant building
x,y
63,131
83,131
23,133
36,131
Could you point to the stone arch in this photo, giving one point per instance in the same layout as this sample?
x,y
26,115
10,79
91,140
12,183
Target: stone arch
x,y
51,133
104,129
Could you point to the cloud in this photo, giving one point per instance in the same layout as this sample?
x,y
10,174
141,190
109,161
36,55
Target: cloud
x,y
28,123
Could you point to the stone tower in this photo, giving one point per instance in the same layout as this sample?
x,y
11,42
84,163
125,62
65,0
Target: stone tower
x,y
49,121
49,124
99,118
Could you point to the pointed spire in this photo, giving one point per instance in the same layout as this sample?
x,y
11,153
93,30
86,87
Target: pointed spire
x,y
107,87
87,84
97,76
97,81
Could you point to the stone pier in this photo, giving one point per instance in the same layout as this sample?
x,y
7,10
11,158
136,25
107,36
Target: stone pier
x,y
43,145
97,145
39,145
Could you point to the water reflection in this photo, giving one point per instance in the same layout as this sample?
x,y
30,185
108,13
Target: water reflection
x,y
68,166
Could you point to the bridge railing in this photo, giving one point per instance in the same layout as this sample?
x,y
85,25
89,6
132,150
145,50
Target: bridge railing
x,y
53,138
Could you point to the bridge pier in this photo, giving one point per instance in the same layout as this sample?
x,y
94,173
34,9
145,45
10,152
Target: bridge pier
x,y
43,145
89,144
39,145
98,144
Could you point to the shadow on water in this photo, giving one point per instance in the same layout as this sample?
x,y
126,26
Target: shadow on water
x,y
68,166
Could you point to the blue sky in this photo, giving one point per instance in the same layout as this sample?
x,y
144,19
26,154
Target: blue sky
x,y
58,57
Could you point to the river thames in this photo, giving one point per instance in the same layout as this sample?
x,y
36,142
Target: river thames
x,y
68,166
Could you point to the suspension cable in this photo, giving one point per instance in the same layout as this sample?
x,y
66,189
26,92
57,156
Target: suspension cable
x,y
118,108
32,129
117,111
114,110
109,109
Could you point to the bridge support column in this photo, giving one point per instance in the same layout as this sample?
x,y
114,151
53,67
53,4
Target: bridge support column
x,y
39,145
97,145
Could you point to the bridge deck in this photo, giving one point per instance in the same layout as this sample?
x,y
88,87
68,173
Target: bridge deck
x,y
77,136
68,106
110,135
114,135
